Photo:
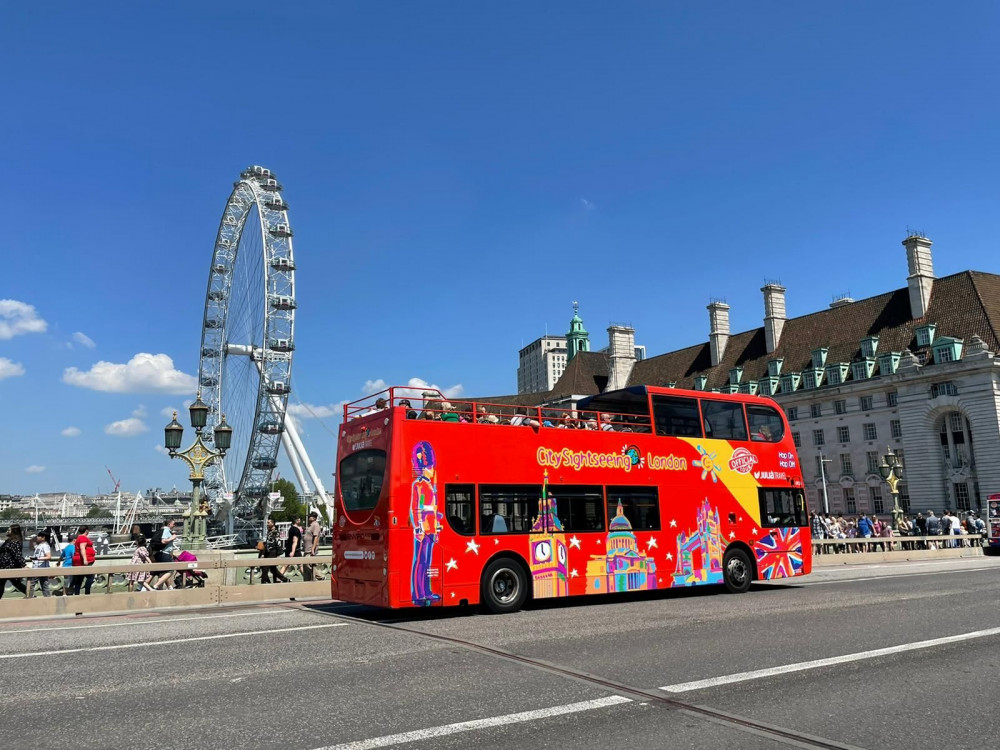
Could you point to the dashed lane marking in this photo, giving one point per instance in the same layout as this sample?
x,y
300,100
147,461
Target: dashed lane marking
x,y
148,644
471,726
757,674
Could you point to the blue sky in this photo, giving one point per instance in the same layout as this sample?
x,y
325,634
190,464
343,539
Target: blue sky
x,y
458,174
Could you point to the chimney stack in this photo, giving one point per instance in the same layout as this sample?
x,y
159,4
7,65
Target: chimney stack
x,y
921,278
718,336
774,313
621,355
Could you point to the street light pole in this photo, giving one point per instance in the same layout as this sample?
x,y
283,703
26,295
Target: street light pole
x,y
892,472
198,456
822,472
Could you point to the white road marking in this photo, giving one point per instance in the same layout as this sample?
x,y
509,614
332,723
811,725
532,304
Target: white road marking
x,y
144,622
862,579
471,726
147,644
683,687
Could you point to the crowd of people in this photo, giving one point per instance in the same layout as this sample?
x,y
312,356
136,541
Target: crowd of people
x,y
78,551
446,411
955,532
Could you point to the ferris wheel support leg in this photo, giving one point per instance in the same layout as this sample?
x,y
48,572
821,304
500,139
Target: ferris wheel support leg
x,y
321,496
293,458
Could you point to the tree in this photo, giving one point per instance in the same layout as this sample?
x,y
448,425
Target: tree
x,y
13,514
96,511
291,507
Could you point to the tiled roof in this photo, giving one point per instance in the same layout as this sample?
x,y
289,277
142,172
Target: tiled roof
x,y
586,374
961,305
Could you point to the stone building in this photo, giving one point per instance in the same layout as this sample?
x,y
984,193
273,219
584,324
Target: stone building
x,y
912,369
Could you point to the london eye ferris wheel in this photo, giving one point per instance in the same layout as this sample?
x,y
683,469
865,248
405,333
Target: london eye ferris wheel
x,y
247,340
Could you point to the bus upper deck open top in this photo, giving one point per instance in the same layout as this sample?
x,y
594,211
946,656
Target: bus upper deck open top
x,y
446,503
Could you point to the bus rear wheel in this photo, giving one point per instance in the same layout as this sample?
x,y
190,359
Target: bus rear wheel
x,y
504,586
737,572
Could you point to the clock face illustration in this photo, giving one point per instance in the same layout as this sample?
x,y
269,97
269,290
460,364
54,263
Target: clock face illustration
x,y
562,554
543,552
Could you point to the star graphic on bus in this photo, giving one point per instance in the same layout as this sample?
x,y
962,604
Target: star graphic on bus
x,y
651,544
471,546
707,464
673,523
573,573
451,564
755,532
670,556
732,534
574,541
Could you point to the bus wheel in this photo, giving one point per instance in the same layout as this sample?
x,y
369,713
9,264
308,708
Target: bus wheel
x,y
737,572
504,586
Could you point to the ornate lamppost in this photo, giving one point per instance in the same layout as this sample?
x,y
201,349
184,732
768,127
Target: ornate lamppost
x,y
892,472
198,456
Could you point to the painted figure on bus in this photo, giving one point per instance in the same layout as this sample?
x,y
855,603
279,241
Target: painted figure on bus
x,y
425,521
623,567
548,549
699,552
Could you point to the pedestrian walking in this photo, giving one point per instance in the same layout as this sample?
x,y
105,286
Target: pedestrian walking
x,y
12,558
310,545
41,555
68,551
293,544
163,546
272,548
83,555
137,579
818,532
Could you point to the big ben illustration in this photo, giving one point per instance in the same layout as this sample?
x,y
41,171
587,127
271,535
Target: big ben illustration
x,y
548,549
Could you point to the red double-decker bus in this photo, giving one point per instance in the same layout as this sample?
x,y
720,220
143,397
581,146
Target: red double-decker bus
x,y
640,489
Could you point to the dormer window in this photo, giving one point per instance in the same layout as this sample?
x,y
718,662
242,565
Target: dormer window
x,y
863,369
868,346
836,373
888,363
699,382
672,384
774,367
749,387
948,349
812,379
925,334
735,375
790,382
767,386
819,358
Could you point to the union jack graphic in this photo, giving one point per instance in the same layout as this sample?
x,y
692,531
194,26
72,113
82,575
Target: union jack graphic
x,y
779,556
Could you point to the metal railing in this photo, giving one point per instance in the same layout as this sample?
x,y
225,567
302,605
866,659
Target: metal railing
x,y
907,543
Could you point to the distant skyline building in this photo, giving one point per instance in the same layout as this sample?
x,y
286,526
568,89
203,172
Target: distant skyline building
x,y
542,362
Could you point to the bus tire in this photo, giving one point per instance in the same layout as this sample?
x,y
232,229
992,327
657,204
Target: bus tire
x,y
504,586
737,572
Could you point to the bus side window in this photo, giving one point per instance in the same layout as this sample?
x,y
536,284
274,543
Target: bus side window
x,y
459,508
766,425
724,420
640,506
781,507
675,416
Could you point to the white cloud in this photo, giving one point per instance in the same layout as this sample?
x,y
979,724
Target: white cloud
x,y
144,373
17,318
373,386
422,385
167,411
139,412
161,449
10,369
311,411
126,427
84,340
587,205
70,432
35,469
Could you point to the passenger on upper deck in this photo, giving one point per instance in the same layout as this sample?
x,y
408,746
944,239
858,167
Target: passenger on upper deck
x,y
410,411
380,405
521,418
606,425
448,413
